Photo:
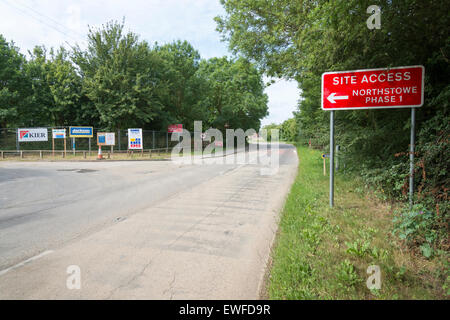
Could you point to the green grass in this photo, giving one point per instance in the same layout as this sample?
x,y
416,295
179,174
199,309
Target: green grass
x,y
47,156
323,253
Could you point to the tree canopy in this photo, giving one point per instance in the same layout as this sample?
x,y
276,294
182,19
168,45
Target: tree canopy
x,y
13,89
121,81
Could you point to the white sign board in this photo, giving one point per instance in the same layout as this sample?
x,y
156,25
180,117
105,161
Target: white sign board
x,y
59,133
135,140
106,138
110,139
32,134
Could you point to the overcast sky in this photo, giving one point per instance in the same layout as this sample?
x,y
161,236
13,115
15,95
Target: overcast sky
x,y
58,22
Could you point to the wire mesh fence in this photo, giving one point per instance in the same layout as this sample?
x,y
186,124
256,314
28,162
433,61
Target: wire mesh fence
x,y
156,145
151,140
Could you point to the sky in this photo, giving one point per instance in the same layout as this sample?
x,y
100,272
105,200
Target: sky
x,y
62,22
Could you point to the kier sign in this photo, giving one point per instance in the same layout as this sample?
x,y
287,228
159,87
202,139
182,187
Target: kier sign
x,y
400,87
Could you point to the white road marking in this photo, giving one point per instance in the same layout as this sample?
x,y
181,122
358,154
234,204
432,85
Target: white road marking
x,y
20,264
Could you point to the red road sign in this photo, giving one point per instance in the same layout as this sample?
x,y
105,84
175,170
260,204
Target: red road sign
x,y
175,128
400,87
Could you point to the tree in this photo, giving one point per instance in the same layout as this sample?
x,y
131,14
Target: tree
x,y
65,87
234,95
269,128
12,83
289,130
181,62
55,88
119,81
121,77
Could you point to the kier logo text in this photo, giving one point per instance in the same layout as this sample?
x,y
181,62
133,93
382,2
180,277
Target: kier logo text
x,y
27,134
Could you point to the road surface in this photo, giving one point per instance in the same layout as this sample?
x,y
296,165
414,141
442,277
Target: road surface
x,y
138,229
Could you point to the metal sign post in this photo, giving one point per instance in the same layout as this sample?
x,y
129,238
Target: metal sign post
x,y
331,158
411,156
118,135
17,140
153,140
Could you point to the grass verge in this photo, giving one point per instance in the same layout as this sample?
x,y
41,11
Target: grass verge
x,y
324,253
80,157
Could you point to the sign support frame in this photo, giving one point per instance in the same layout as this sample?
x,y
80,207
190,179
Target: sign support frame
x,y
412,106
412,147
331,158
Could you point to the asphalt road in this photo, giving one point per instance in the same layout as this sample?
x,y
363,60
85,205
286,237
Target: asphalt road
x,y
139,229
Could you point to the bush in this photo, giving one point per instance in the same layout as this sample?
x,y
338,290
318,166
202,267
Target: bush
x,y
418,227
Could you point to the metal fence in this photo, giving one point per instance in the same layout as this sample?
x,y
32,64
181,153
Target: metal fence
x,y
151,140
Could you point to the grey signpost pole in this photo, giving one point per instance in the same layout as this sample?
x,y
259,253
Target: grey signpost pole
x,y
411,156
17,140
331,158
118,136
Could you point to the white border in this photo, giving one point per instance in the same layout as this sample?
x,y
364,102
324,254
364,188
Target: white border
x,y
376,107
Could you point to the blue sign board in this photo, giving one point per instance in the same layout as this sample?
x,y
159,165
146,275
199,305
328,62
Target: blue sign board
x,y
81,132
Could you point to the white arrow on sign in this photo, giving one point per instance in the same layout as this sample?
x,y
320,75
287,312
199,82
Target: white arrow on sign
x,y
333,97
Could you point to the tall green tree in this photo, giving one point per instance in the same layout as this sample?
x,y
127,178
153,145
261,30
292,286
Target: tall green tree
x,y
12,83
181,62
269,128
289,130
121,77
55,88
65,87
234,96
